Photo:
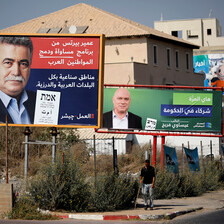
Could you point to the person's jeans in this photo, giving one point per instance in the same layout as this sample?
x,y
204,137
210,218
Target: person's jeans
x,y
147,192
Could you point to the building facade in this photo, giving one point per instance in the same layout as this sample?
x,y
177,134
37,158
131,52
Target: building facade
x,y
207,33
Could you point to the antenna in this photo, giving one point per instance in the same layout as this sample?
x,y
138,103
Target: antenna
x,y
210,13
161,18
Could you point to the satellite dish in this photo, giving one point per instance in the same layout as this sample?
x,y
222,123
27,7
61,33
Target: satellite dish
x,y
72,29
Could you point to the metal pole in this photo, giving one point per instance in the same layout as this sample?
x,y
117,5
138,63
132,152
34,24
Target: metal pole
x,y
211,149
146,155
154,151
54,134
6,146
202,159
113,144
27,133
94,148
115,162
183,158
150,144
162,151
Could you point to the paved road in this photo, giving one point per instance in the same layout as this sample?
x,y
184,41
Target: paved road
x,y
76,222
214,217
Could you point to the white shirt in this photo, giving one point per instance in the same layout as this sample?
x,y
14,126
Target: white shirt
x,y
120,123
19,114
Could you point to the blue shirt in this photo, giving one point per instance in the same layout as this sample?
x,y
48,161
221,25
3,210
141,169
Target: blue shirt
x,y
19,114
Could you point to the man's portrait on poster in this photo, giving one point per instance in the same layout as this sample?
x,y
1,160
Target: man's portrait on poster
x,y
120,117
15,65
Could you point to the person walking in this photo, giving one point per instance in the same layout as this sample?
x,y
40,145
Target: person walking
x,y
147,179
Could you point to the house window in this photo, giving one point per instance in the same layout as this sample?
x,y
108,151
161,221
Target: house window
x,y
168,57
155,55
209,31
177,33
177,59
187,62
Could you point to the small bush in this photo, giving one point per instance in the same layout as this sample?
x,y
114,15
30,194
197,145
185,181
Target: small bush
x,y
189,184
113,192
211,176
61,186
166,185
25,208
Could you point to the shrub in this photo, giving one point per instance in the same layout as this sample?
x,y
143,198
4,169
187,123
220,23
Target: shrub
x,y
25,208
211,176
113,192
61,186
189,184
166,185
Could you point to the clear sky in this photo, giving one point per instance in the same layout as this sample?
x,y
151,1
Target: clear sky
x,y
13,12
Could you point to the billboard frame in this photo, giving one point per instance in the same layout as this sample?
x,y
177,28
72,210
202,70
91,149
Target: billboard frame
x,y
157,133
100,86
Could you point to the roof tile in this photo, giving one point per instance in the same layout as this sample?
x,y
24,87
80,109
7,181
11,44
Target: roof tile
x,y
97,20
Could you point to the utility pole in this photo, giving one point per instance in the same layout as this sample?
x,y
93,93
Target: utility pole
x,y
27,133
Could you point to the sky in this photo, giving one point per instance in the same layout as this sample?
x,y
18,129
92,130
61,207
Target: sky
x,y
13,12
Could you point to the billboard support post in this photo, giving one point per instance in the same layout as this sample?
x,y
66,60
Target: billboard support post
x,y
6,146
94,148
27,133
154,150
162,151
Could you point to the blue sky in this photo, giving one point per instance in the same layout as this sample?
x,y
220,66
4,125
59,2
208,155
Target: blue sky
x,y
13,12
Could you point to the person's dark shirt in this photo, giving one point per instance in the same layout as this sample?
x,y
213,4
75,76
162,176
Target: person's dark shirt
x,y
148,174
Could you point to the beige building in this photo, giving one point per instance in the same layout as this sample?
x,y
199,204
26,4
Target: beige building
x,y
134,54
207,33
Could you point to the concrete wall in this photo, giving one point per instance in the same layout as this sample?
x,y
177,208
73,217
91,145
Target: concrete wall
x,y
6,198
119,73
124,50
194,30
188,27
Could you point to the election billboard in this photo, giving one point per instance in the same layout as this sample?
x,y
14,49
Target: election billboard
x,y
211,66
51,80
178,110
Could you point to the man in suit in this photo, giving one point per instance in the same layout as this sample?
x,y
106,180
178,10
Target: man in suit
x,y
120,117
15,65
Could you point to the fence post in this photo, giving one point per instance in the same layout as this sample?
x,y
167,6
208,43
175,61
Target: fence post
x,y
27,133
202,159
182,158
211,149
115,165
54,134
146,155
